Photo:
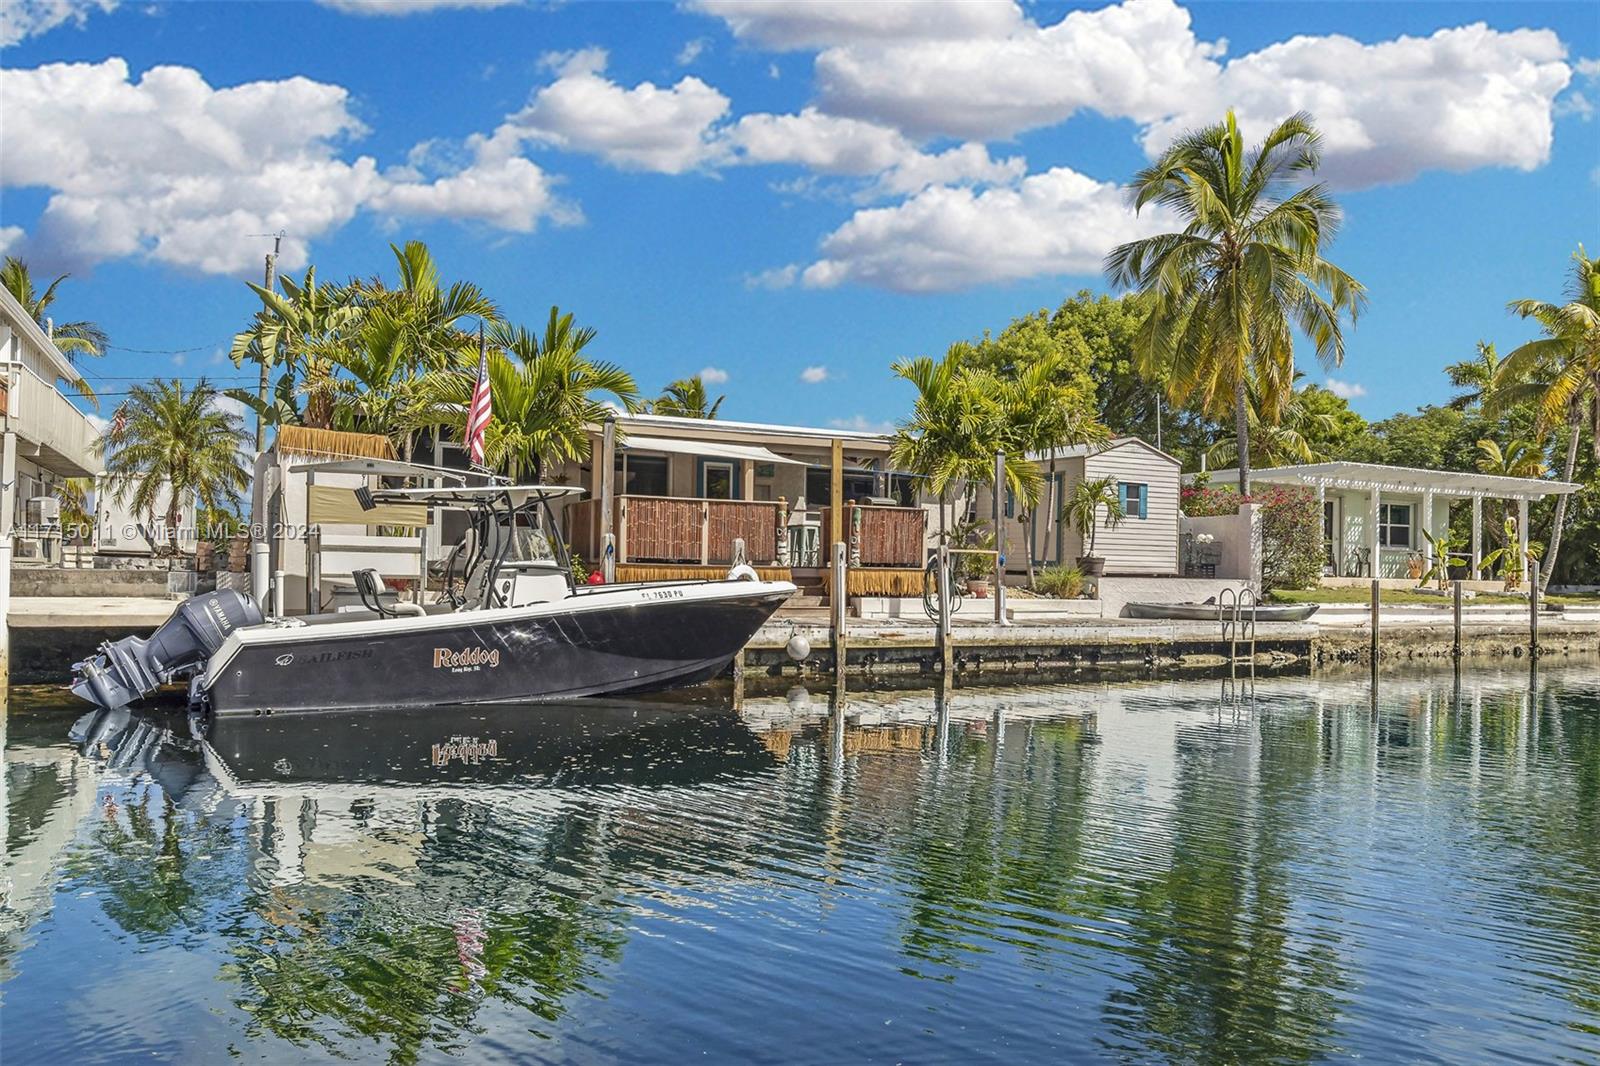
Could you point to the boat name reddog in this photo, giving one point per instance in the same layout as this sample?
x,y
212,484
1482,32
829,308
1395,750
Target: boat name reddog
x,y
465,659
466,750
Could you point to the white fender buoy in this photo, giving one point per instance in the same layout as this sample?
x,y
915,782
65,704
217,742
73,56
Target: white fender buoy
x,y
798,648
743,573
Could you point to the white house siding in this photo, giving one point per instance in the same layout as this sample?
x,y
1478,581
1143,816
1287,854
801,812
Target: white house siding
x,y
1148,545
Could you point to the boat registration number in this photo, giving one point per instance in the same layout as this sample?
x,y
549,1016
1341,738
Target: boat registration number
x,y
662,594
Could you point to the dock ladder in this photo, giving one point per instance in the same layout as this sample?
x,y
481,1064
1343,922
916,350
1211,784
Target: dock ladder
x,y
1236,608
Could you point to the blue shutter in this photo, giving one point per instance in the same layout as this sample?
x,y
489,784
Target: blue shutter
x,y
1144,501
1122,495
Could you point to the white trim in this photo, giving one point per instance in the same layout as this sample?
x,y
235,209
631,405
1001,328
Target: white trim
x,y
1400,479
749,453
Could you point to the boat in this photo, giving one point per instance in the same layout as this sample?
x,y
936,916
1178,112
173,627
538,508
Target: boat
x,y
1212,611
510,626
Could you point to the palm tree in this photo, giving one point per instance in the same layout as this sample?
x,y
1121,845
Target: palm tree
x,y
1519,458
173,445
1560,373
418,327
1227,292
1045,411
72,338
1283,440
545,393
306,330
949,438
1474,379
686,398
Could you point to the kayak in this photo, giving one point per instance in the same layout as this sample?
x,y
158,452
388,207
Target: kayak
x,y
1215,612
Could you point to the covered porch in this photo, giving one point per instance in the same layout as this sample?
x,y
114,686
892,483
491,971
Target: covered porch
x,y
669,497
1377,520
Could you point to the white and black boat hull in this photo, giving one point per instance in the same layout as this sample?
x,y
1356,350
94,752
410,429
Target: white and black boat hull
x,y
619,642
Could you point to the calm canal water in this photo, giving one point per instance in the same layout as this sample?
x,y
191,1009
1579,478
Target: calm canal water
x,y
1163,872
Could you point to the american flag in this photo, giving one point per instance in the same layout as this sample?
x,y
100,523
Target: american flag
x,y
119,422
481,410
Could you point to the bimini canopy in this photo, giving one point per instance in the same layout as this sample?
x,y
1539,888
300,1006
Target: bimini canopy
x,y
714,449
513,495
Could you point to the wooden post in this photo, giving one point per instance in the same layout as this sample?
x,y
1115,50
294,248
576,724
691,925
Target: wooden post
x,y
705,532
1377,596
998,512
1456,649
943,621
839,609
607,463
836,495
780,545
1533,607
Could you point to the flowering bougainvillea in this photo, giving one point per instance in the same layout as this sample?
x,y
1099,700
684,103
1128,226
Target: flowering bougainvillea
x,y
1291,528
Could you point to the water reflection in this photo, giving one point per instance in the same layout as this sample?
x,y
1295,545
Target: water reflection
x,y
1183,872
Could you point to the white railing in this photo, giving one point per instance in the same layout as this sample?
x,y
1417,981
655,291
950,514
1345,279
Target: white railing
x,y
47,418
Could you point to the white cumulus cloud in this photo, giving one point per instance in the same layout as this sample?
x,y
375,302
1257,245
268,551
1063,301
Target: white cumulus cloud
x,y
1347,390
1460,98
169,167
21,19
814,375
1056,222
648,127
785,25
713,375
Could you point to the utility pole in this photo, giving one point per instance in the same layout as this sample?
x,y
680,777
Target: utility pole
x,y
261,389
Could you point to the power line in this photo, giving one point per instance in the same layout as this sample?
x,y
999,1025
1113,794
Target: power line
x,y
167,351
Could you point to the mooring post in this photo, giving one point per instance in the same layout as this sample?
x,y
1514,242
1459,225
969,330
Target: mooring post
x,y
943,586
1456,648
1377,596
840,610
1533,608
999,540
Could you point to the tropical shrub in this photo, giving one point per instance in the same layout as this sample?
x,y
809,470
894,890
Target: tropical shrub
x,y
1207,501
1062,582
1292,554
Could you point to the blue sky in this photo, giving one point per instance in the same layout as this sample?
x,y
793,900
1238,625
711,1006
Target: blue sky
x,y
795,195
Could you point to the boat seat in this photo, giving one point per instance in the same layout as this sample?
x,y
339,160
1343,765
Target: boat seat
x,y
376,597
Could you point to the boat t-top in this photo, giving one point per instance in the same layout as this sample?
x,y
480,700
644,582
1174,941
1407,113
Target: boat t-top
x,y
510,624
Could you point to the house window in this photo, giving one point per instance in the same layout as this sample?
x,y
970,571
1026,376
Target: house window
x,y
1135,499
1011,504
646,475
719,480
858,485
1394,525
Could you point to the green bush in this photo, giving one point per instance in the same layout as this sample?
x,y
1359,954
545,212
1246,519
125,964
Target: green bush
x,y
1062,582
1292,554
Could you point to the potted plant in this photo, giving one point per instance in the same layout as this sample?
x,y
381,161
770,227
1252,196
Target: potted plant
x,y
1082,513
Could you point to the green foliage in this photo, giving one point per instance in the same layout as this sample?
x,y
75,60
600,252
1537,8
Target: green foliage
x,y
1228,293
686,398
1206,501
1446,545
1062,582
178,440
545,393
72,338
1291,537
1084,504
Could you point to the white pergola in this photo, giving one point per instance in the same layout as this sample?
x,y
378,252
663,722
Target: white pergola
x,y
1375,480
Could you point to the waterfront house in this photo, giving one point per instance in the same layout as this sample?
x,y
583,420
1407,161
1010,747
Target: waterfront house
x,y
1374,517
47,439
671,496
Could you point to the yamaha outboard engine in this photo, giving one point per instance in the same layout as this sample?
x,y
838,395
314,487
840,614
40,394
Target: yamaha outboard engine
x,y
130,668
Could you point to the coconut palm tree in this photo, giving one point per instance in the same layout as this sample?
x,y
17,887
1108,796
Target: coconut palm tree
x,y
1283,440
1228,292
172,445
545,393
1560,373
1519,458
72,338
950,438
686,398
1474,379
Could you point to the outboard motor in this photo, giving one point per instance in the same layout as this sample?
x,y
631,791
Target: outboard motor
x,y
131,668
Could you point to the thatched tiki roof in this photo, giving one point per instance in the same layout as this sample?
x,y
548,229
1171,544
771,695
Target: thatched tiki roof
x,y
330,444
